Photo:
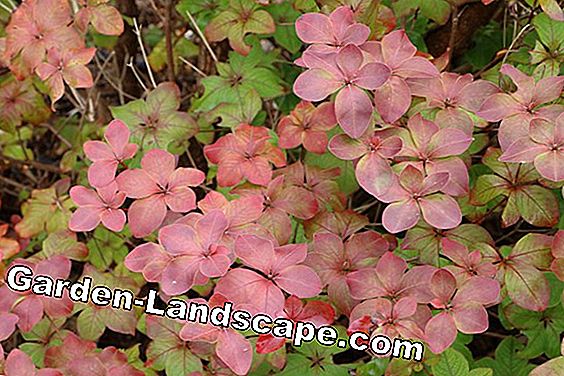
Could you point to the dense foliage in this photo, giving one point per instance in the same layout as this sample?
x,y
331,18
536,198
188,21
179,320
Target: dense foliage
x,y
387,166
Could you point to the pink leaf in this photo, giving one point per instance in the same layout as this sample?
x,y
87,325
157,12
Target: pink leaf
x,y
442,286
447,142
180,199
522,150
316,84
374,174
136,183
551,165
349,59
288,255
146,215
372,75
245,287
458,179
396,48
7,325
388,268
254,251
441,211
179,275
235,351
416,67
19,363
498,106
393,99
177,239
364,284
477,289
314,28
400,216
141,256
470,318
113,219
440,332
299,280
107,20
85,219
29,311
548,89
405,308
347,148
159,165
353,110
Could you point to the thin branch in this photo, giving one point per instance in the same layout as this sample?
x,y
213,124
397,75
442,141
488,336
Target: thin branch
x,y
137,32
168,40
191,159
35,164
156,9
130,65
102,66
15,183
514,41
78,99
453,31
195,68
116,86
22,145
56,133
202,36
5,7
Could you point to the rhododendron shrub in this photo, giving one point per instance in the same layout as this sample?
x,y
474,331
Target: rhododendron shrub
x,y
388,167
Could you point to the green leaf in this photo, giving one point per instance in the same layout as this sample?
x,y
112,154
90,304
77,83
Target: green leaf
x,y
481,372
36,351
537,205
534,249
64,243
183,48
21,102
347,179
90,324
264,81
47,210
156,122
552,9
106,247
181,361
452,363
436,10
217,90
241,18
506,362
244,111
297,365
553,367
527,286
487,188
375,367
285,35
202,10
550,32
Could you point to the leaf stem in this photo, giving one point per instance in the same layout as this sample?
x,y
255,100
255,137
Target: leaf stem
x,y
137,31
199,31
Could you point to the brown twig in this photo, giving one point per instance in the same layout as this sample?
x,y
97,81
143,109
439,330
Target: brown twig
x,y
453,31
35,164
56,133
15,183
168,40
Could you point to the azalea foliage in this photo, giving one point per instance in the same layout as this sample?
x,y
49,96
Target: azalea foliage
x,y
390,167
